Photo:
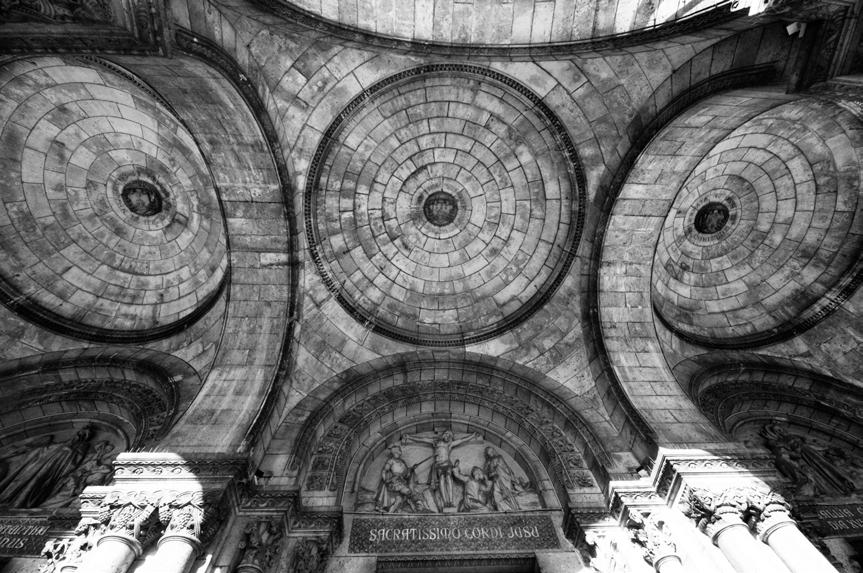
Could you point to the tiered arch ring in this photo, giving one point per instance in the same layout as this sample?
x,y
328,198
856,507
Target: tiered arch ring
x,y
110,224
443,205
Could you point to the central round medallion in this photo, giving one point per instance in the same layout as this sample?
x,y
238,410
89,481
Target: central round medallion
x,y
142,198
711,218
440,208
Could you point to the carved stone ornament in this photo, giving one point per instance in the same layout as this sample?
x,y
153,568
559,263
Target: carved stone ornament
x,y
712,511
811,470
760,510
260,546
64,551
131,514
485,482
310,556
44,473
55,11
191,514
651,534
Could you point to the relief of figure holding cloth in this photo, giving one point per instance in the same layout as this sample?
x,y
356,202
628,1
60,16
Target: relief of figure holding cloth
x,y
505,485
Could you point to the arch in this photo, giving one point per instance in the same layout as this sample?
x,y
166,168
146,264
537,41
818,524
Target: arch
x,y
138,393
326,425
750,390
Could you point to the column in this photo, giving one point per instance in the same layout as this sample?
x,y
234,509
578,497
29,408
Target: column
x,y
192,518
129,522
721,517
649,532
778,530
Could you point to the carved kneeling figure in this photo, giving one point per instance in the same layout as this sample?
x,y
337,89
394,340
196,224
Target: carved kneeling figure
x,y
476,489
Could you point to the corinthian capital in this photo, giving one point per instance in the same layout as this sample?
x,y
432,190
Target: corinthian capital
x,y
131,514
768,509
192,514
652,535
713,511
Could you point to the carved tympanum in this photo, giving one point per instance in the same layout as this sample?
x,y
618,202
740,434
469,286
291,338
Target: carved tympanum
x,y
483,481
45,473
813,471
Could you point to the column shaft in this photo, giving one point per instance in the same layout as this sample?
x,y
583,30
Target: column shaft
x,y
795,550
668,564
741,549
176,554
113,554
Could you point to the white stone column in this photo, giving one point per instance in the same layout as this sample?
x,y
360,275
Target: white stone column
x,y
128,522
720,517
778,530
114,553
193,519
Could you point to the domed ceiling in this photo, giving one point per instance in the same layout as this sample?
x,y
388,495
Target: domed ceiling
x,y
499,22
443,205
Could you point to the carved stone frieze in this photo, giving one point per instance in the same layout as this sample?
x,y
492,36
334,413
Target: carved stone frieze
x,y
129,467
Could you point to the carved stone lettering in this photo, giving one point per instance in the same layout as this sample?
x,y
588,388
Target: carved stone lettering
x,y
22,536
452,534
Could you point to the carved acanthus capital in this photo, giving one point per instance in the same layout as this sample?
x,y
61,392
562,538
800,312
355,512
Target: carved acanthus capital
x,y
651,534
310,556
132,514
191,514
61,552
768,510
260,546
714,511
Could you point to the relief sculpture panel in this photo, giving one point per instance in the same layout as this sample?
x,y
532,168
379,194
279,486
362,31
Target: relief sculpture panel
x,y
47,471
445,473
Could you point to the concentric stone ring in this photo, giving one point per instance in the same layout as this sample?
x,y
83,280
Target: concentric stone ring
x,y
764,237
111,229
443,205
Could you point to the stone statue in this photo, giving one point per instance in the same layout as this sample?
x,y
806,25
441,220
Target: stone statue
x,y
477,490
505,484
94,470
260,546
440,474
810,471
398,485
35,472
